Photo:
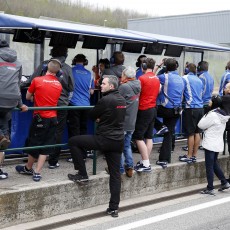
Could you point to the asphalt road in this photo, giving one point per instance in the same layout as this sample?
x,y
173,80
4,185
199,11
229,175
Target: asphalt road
x,y
195,212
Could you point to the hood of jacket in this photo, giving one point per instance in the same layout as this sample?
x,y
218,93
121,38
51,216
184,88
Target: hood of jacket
x,y
7,54
223,116
115,70
135,85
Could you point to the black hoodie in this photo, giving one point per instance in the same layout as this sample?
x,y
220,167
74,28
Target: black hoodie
x,y
226,108
110,110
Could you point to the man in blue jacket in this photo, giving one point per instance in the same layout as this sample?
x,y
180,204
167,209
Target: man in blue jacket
x,y
208,83
225,79
83,89
193,112
169,106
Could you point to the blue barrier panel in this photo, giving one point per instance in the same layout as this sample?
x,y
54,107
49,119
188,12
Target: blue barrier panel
x,y
20,124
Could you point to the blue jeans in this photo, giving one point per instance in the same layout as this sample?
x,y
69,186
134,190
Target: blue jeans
x,y
212,166
127,155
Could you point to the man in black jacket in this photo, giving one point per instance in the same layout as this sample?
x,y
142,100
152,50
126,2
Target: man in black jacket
x,y
109,113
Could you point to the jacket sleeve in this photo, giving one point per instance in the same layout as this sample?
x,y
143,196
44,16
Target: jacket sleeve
x,y
207,121
20,103
71,81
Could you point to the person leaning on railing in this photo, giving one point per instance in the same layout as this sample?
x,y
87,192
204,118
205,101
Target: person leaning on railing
x,y
10,95
44,91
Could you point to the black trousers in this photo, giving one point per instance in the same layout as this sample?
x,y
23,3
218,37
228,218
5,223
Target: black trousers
x,y
77,122
169,119
228,140
159,125
54,155
112,150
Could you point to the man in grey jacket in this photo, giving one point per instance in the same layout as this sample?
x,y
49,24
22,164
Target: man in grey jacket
x,y
67,82
130,89
10,95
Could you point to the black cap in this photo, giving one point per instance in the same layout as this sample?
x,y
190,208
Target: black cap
x,y
3,43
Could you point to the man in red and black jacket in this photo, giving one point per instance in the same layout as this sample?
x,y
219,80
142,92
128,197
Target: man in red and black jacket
x,y
109,113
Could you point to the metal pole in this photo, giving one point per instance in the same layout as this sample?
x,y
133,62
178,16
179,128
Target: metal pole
x,y
38,54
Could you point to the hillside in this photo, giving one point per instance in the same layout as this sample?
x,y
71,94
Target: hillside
x,y
65,9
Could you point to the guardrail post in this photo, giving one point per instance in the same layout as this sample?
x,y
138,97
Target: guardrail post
x,y
224,142
94,162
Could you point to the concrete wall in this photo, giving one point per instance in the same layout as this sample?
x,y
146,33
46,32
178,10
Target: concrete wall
x,y
31,203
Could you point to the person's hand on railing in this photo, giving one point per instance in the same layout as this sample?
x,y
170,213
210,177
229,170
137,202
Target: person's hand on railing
x,y
24,108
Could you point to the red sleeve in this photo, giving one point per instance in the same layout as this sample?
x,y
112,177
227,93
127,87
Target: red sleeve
x,y
31,89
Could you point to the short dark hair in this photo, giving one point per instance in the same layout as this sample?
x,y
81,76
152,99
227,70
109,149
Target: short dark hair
x,y
119,58
59,51
149,62
192,68
79,58
171,64
138,63
106,62
203,66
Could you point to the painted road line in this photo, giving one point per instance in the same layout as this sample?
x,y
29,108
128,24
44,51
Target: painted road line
x,y
169,215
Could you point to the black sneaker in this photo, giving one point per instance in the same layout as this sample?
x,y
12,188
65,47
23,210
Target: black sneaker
x,y
193,159
113,213
37,177
163,164
142,168
78,178
186,159
224,186
54,166
23,170
208,192
185,148
3,175
90,154
162,131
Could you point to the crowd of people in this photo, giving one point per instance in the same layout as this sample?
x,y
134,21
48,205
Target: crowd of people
x,y
131,103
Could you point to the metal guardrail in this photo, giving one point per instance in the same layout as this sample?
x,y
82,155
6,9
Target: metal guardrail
x,y
65,144
55,145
